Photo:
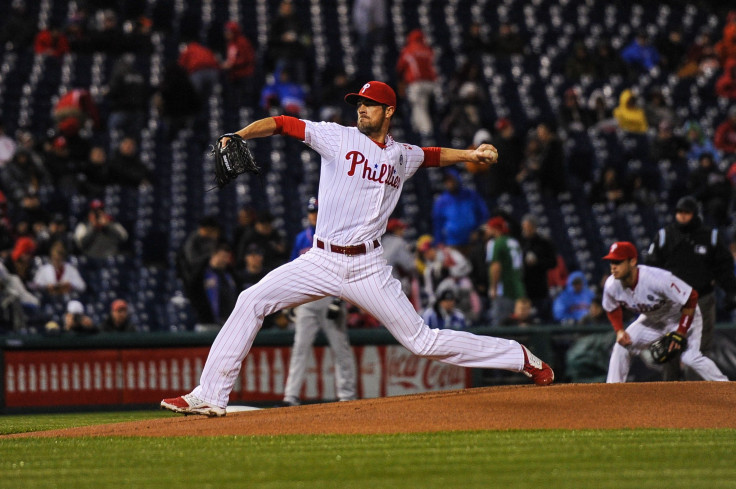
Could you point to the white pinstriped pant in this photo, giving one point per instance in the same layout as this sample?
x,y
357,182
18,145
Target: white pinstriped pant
x,y
364,280
642,336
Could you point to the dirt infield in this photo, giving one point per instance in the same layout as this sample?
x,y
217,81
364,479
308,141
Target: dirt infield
x,y
565,406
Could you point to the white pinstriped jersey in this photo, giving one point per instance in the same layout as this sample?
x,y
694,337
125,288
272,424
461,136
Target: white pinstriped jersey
x,y
658,296
360,182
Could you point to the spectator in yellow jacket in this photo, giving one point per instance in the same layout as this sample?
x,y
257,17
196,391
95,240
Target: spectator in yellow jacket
x,y
629,114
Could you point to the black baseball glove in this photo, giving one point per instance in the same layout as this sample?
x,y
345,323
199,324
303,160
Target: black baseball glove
x,y
232,159
660,349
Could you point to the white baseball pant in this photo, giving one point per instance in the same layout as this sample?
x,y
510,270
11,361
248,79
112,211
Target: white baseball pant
x,y
309,319
364,280
642,336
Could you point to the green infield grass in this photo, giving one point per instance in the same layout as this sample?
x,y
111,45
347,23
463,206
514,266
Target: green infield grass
x,y
489,459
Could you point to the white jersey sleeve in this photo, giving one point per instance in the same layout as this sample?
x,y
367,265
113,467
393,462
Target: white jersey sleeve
x,y
325,138
414,158
609,301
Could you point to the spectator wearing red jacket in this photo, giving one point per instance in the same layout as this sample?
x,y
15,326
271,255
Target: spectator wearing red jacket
x,y
725,136
51,42
202,66
726,83
417,74
75,109
239,64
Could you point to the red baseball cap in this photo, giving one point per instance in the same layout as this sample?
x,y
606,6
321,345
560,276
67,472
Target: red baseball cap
x,y
498,223
621,250
394,224
376,91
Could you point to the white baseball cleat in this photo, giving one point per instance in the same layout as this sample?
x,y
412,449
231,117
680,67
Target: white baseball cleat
x,y
189,404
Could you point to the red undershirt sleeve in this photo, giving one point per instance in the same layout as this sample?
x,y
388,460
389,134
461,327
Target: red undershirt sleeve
x,y
431,156
687,319
617,318
290,126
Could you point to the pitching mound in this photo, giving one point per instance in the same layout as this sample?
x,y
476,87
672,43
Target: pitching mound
x,y
565,406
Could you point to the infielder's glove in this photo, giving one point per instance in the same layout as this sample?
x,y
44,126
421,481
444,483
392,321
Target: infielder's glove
x,y
232,159
660,349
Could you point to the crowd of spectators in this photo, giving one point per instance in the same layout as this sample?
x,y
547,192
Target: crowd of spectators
x,y
477,266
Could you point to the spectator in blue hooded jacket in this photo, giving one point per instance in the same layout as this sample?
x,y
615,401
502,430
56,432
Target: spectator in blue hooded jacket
x,y
640,53
457,212
573,303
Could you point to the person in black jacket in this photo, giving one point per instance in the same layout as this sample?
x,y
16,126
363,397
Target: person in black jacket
x,y
695,253
540,256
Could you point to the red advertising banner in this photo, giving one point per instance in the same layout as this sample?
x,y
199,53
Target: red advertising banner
x,y
141,376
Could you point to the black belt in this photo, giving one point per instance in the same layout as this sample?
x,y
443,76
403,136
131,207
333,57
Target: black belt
x,y
360,249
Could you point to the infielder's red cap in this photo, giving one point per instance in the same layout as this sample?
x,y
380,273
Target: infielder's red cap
x,y
376,91
621,250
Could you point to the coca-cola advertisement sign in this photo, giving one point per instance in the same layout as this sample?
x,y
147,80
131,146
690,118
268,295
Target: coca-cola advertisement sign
x,y
407,373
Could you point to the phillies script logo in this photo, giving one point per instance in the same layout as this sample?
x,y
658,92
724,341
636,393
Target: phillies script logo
x,y
412,372
643,308
384,174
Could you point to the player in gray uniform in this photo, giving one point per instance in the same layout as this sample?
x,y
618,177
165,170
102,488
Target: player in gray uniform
x,y
327,314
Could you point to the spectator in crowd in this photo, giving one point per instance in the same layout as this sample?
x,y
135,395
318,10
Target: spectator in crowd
x,y
216,290
397,254
608,188
58,277
596,314
23,176
8,146
709,185
508,41
201,65
13,298
502,177
196,251
369,22
331,105
75,110
657,109
640,54
574,115
99,236
698,141
523,314
457,212
629,113
176,100
668,146
608,62
726,82
118,320
284,94
476,42
93,174
19,30
51,41
125,166
418,79
251,269
58,231
505,270
672,50
580,63
21,261
701,56
726,48
573,303
601,112
725,135
467,112
445,267
76,321
127,98
271,241
239,65
245,223
552,172
443,314
698,255
287,43
540,256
